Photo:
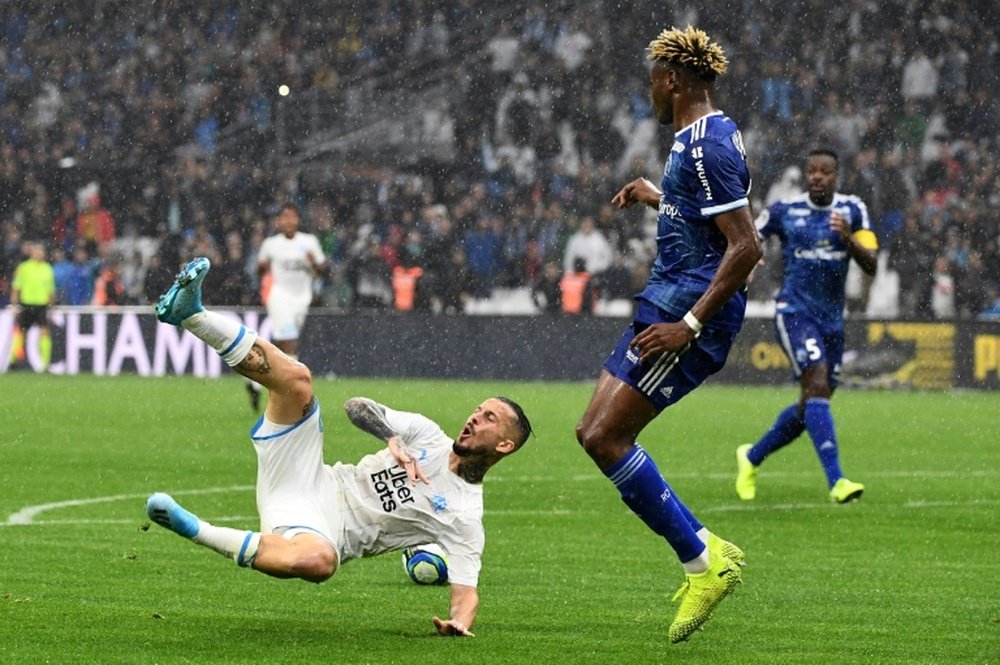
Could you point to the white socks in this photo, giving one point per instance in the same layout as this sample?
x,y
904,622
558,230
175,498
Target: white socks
x,y
229,337
699,564
240,546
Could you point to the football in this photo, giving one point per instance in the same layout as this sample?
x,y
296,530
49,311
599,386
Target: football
x,y
426,564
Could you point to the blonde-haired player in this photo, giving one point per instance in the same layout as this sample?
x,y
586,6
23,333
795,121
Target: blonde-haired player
x,y
687,316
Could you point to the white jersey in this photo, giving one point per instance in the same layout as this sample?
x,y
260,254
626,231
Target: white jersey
x,y
385,512
291,272
370,507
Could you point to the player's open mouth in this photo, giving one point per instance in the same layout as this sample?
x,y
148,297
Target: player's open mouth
x,y
466,433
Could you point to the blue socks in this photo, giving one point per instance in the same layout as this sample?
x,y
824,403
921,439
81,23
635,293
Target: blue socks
x,y
649,496
786,428
819,422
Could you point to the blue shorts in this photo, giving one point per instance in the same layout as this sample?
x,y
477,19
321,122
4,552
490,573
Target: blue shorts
x,y
670,377
809,342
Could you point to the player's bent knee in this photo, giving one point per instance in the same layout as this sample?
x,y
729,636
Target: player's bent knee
x,y
318,564
594,439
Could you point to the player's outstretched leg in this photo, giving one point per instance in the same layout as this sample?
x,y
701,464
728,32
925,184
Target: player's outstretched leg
x,y
240,546
701,593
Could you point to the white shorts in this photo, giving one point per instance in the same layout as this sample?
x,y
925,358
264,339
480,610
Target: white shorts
x,y
287,318
296,492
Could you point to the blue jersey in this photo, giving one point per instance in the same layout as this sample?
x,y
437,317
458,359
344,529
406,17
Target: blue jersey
x,y
815,256
705,175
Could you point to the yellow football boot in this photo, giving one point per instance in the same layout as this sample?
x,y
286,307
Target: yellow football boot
x,y
746,474
726,549
700,594
845,491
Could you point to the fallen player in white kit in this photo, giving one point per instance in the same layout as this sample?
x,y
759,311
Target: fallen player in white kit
x,y
423,487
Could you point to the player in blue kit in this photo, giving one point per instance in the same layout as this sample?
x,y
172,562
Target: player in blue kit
x,y
688,313
820,232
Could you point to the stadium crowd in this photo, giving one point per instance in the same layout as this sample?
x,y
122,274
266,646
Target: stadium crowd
x,y
117,117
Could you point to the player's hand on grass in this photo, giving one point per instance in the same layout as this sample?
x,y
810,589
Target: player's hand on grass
x,y
661,338
452,628
639,190
409,464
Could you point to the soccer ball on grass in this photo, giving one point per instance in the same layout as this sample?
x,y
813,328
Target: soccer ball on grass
x,y
426,564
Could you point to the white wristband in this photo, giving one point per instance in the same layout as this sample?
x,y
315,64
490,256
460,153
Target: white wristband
x,y
693,323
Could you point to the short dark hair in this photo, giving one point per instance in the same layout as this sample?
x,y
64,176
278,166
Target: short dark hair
x,y
824,152
521,421
288,205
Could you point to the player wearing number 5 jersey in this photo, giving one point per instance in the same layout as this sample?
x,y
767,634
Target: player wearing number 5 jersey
x,y
820,232
688,314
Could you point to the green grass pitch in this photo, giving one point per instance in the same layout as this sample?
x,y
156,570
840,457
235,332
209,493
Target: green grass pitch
x,y
909,574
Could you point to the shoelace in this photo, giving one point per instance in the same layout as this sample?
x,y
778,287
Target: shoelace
x,y
680,592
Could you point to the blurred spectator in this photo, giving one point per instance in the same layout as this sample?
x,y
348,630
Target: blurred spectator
x,y
79,285
368,275
64,226
943,290
920,77
109,289
178,121
482,248
457,287
546,293
575,291
589,246
94,224
788,185
231,284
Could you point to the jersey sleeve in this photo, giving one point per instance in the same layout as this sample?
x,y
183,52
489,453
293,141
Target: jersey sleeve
x,y
768,222
416,431
464,547
721,173
861,225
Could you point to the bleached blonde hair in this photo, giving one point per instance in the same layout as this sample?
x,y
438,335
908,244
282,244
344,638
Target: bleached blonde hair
x,y
691,48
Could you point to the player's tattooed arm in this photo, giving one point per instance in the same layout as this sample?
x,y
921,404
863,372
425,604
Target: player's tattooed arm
x,y
369,416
